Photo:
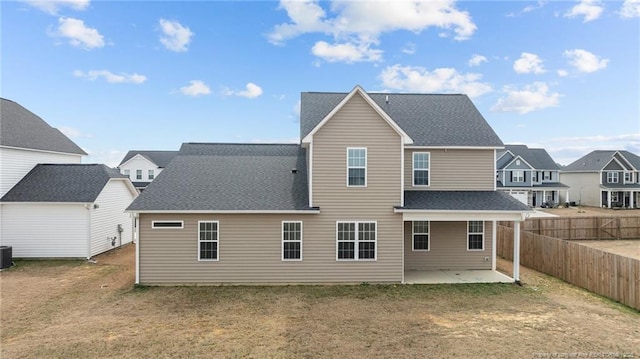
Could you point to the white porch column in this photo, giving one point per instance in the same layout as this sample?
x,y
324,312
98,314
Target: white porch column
x,y
516,252
608,199
544,196
568,201
494,231
631,195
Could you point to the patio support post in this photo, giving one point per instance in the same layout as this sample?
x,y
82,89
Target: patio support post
x,y
568,201
631,195
494,231
516,251
608,199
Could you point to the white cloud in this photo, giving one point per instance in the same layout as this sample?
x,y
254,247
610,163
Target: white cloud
x,y
78,33
251,91
110,158
196,88
528,8
54,6
567,149
74,132
563,73
110,77
175,36
588,9
476,60
419,79
630,9
357,25
528,63
584,61
409,48
531,98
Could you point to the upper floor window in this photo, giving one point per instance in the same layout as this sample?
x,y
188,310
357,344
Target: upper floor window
x,y
357,167
207,240
127,173
139,174
356,240
518,176
421,168
421,235
291,241
547,175
151,174
612,177
475,236
628,178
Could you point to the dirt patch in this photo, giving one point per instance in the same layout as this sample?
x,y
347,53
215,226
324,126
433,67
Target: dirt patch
x,y
584,211
77,309
626,248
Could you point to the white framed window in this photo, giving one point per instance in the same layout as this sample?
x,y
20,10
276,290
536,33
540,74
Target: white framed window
x,y
151,174
547,175
421,236
518,176
139,174
356,241
208,240
167,224
475,235
612,177
356,167
628,178
291,240
421,164
517,162
127,173
614,197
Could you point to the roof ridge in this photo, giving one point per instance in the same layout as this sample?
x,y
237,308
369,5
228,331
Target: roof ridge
x,y
242,143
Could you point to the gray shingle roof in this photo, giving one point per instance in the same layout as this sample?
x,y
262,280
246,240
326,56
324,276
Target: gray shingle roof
x,y
536,157
62,183
219,177
429,119
160,158
462,201
24,129
596,160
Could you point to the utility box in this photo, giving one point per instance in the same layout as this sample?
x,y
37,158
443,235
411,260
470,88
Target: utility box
x,y
6,256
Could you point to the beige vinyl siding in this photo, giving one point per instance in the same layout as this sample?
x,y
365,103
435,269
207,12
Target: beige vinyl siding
x,y
448,248
454,169
584,187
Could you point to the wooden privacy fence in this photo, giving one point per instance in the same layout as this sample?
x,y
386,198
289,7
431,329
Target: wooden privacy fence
x,y
603,228
611,275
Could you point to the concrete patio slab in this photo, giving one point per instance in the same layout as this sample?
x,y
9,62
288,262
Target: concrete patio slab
x,y
455,276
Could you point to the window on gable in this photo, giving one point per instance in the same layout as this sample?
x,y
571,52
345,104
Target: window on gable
x,y
151,174
612,177
356,240
207,240
518,176
421,235
139,174
475,235
291,241
127,172
421,168
356,167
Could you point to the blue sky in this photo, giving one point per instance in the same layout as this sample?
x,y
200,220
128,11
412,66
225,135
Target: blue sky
x,y
121,75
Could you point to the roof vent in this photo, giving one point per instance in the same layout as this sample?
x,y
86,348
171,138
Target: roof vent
x,y
294,170
386,99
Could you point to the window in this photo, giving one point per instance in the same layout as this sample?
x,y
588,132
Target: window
x,y
614,197
151,174
612,177
356,167
421,235
518,176
475,236
291,241
547,175
628,177
167,224
208,241
421,168
127,173
139,174
356,240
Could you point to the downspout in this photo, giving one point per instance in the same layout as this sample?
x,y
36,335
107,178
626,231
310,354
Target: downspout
x,y
88,207
137,244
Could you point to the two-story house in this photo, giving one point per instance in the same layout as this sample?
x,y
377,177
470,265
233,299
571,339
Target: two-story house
x,y
142,167
530,175
381,187
605,179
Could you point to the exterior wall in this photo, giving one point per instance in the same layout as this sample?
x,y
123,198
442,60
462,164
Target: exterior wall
x,y
140,163
45,230
620,177
454,169
112,201
584,187
448,248
16,163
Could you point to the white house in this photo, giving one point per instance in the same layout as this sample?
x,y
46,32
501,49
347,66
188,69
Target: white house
x,y
67,211
142,167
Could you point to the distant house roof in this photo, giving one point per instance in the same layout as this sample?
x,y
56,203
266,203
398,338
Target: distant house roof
x,y
62,183
538,158
159,158
597,160
230,177
462,201
429,119
23,129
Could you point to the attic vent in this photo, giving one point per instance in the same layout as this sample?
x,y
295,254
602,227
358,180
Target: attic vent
x,y
294,170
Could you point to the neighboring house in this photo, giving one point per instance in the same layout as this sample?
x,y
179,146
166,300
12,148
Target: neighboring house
x,y
604,179
142,167
381,185
67,211
530,175
26,140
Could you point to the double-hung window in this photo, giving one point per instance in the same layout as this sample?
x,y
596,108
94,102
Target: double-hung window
x,y
518,176
127,173
421,168
356,240
612,177
139,174
356,167
421,235
151,174
291,241
208,240
475,235
628,178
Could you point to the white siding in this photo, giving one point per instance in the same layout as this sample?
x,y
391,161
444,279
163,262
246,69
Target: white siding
x,y
112,201
45,230
140,163
16,163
